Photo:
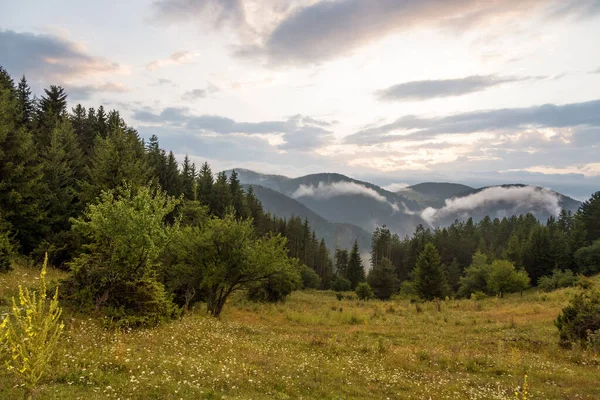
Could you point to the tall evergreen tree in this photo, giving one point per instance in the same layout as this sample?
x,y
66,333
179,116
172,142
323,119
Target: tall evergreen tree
x,y
238,199
341,262
52,107
383,280
430,281
188,179
589,215
205,185
21,183
26,106
355,270
220,196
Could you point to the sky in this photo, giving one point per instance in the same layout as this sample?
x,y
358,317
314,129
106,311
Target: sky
x,y
391,91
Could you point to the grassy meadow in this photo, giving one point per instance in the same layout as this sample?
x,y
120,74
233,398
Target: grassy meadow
x,y
315,346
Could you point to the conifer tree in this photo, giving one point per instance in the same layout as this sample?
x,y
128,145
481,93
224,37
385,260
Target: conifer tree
x,y
341,262
205,185
220,196
26,106
589,215
383,279
238,199
430,281
355,269
188,179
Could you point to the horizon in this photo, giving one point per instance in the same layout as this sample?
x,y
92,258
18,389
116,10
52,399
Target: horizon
x,y
389,92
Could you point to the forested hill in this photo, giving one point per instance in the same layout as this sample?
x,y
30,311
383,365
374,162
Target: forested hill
x,y
336,235
57,162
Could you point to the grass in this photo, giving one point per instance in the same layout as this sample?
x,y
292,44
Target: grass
x,y
316,347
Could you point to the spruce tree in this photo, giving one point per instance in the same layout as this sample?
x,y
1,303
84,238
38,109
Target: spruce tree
x,y
430,281
205,185
341,262
238,199
220,196
355,269
26,106
589,215
188,179
383,279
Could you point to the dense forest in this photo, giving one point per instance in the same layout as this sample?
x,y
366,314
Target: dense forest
x,y
124,217
135,227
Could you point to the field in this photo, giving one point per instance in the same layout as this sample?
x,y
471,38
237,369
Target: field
x,y
315,346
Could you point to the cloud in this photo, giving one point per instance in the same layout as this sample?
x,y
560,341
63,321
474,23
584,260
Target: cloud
x,y
298,132
85,92
326,191
49,57
587,170
417,128
395,187
329,29
222,11
179,57
425,90
194,94
519,199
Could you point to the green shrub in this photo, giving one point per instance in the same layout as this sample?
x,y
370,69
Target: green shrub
x,y
477,296
340,284
588,259
558,279
363,291
31,333
579,319
310,279
408,289
6,251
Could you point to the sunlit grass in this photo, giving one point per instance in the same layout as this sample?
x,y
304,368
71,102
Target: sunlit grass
x,y
316,347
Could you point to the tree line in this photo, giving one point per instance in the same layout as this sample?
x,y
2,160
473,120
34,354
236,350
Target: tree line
x,y
130,223
492,256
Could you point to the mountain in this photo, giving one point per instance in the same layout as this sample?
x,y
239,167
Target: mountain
x,y
336,200
336,235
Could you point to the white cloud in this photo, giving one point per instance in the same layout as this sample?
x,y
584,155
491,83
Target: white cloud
x,y
395,187
588,170
179,57
326,191
528,197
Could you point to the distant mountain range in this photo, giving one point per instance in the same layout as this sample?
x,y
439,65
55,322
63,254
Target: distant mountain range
x,y
342,209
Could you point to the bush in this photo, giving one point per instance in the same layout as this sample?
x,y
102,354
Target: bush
x,y
340,284
31,333
275,288
383,279
579,319
364,291
310,279
504,278
125,234
6,251
477,296
558,279
408,289
588,259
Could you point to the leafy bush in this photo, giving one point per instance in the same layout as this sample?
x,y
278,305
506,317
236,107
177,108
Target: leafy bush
x,y
579,319
6,251
31,333
477,296
364,291
310,279
125,234
408,289
588,259
476,276
558,279
504,278
276,287
340,284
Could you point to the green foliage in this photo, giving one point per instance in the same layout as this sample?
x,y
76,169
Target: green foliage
x,y
125,233
340,284
476,276
579,319
6,248
383,279
588,259
558,279
429,277
589,216
364,291
310,279
232,259
504,278
30,334
453,274
355,271
408,289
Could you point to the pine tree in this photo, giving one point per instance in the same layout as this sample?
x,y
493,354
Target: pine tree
x,y
589,215
101,127
205,185
26,107
188,179
52,107
430,281
341,262
355,270
117,158
383,279
238,199
21,185
220,196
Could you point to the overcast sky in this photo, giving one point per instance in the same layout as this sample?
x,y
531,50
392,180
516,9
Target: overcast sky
x,y
394,91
